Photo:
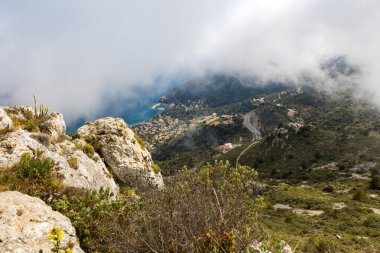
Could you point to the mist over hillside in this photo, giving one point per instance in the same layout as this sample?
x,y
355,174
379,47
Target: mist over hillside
x,y
78,57
211,126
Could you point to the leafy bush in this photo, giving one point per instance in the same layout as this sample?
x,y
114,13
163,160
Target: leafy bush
x,y
32,175
328,188
375,182
372,221
140,141
102,225
35,168
319,245
359,195
212,210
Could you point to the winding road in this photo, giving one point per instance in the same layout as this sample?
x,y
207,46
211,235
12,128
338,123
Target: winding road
x,y
249,122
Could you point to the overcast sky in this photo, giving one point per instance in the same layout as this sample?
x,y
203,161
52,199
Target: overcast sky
x,y
77,55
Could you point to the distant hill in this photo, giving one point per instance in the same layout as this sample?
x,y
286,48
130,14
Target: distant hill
x,y
220,89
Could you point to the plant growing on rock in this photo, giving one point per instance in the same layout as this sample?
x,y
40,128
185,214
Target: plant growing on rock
x,y
156,168
32,175
43,110
56,235
140,141
102,225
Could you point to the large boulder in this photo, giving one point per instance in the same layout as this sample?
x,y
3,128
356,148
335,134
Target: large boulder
x,y
73,166
5,121
116,143
54,125
25,223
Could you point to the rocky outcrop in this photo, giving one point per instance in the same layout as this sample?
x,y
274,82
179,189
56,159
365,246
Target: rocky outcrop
x,y
72,165
25,223
19,112
121,151
5,121
54,126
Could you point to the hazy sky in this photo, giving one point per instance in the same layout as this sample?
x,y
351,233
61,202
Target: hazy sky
x,y
78,55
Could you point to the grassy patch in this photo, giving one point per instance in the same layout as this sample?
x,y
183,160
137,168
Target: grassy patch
x,y
352,227
32,175
140,141
156,168
73,163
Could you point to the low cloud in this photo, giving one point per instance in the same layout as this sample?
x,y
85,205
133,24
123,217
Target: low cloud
x,y
79,56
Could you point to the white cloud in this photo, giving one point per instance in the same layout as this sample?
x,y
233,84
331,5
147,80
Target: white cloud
x,y
74,54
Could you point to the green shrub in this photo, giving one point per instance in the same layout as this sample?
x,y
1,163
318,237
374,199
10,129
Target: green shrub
x,y
372,221
74,136
140,141
73,162
217,204
30,125
35,167
328,188
88,149
101,225
359,195
375,182
156,168
319,245
32,175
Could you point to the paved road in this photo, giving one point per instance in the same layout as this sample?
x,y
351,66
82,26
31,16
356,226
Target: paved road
x,y
249,122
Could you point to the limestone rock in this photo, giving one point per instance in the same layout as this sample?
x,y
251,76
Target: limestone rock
x,y
5,121
20,112
91,172
25,223
54,126
87,174
117,145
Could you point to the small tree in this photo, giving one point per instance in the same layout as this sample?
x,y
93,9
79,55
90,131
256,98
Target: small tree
x,y
375,182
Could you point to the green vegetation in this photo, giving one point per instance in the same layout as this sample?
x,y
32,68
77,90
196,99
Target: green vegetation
x,y
375,182
220,89
217,204
140,141
43,110
56,235
346,225
87,148
73,162
30,125
32,175
156,168
359,195
198,147
330,168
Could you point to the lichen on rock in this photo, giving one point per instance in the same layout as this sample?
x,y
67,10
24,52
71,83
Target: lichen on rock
x,y
117,145
25,223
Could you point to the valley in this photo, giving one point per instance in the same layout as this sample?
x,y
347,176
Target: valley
x,y
315,153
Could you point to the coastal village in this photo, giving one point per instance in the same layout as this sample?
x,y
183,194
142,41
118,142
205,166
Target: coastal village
x,y
162,128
